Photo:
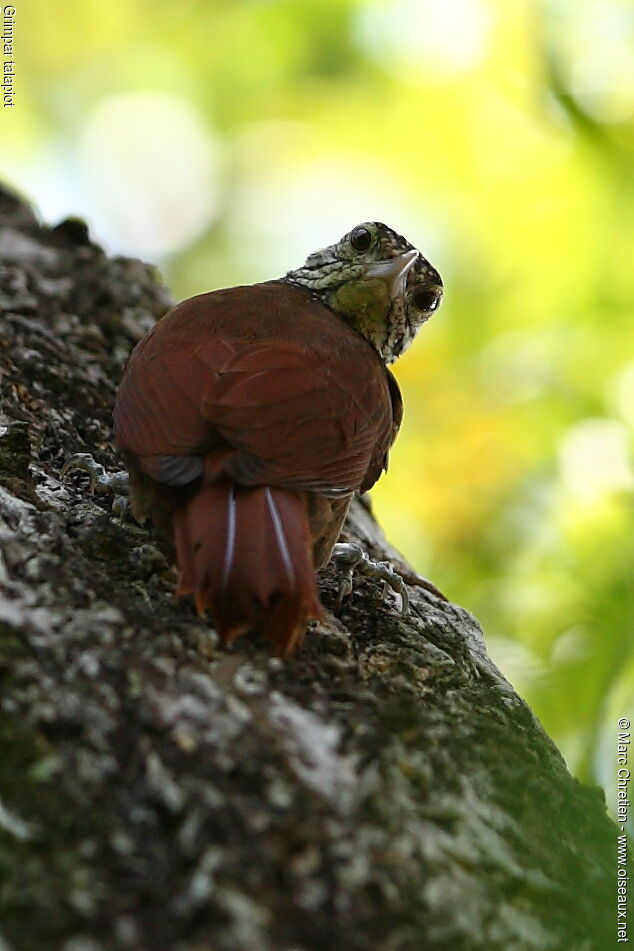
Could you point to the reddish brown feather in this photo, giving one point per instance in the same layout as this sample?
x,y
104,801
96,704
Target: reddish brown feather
x,y
234,354
269,389
245,554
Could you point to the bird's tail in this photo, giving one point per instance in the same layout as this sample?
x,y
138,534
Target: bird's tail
x,y
246,555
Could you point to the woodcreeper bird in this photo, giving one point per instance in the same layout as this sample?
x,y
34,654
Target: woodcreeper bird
x,y
248,417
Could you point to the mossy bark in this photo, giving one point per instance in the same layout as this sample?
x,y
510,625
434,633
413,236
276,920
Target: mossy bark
x,y
384,789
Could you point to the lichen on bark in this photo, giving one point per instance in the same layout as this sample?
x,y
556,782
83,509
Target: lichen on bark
x,y
383,789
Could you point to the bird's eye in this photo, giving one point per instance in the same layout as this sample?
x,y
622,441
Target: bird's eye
x,y
425,299
361,239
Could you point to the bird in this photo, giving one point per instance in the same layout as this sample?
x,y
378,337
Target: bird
x,y
249,416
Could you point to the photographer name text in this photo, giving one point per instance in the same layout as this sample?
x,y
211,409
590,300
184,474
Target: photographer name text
x,y
622,809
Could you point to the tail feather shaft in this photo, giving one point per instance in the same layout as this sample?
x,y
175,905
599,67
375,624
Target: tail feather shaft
x,y
246,555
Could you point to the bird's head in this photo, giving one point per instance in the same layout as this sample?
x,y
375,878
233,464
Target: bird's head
x,y
378,282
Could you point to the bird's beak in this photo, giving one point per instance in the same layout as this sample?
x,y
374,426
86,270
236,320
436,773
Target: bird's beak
x,y
394,271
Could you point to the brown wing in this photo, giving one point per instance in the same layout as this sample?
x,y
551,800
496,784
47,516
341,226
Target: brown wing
x,y
379,460
263,383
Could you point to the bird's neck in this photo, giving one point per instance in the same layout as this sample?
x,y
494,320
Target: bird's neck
x,y
365,305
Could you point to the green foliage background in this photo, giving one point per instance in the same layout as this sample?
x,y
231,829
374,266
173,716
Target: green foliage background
x,y
225,140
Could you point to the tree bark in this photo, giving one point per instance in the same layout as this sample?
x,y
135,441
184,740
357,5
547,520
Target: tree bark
x,y
384,789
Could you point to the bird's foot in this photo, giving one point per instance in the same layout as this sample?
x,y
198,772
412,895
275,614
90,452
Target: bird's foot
x,y
350,558
101,481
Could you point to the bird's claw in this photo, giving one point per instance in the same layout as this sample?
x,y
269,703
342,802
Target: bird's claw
x,y
350,558
101,481
120,507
